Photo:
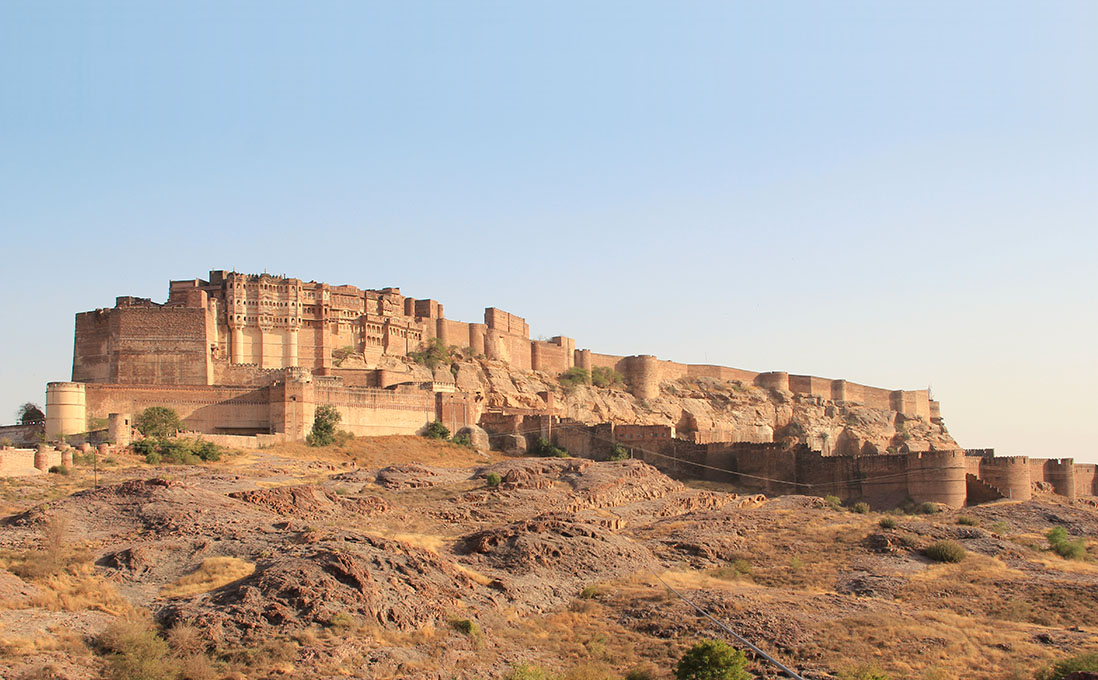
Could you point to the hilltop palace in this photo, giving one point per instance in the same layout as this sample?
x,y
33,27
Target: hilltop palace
x,y
252,356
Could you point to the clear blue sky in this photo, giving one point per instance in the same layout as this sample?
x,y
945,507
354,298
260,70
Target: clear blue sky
x,y
898,193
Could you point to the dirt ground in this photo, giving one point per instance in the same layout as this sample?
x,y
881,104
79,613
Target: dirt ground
x,y
396,557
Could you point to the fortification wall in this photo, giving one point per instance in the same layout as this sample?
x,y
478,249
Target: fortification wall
x,y
375,412
1057,472
91,343
716,372
1009,474
1086,479
202,408
159,346
23,434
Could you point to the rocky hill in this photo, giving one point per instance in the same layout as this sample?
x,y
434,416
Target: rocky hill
x,y
403,558
737,411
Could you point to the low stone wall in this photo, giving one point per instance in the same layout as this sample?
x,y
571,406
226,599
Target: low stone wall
x,y
20,462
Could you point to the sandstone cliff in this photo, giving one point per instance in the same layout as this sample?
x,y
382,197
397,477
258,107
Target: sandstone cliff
x,y
725,411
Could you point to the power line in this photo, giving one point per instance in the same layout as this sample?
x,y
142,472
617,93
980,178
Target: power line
x,y
744,641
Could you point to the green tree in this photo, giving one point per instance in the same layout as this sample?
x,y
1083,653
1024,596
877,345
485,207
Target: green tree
x,y
29,413
712,660
619,452
574,377
436,430
324,426
604,376
158,421
433,354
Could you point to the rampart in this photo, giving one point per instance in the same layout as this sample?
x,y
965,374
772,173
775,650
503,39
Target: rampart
x,y
242,330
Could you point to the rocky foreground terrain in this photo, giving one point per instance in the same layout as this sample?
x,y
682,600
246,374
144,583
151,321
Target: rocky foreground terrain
x,y
396,558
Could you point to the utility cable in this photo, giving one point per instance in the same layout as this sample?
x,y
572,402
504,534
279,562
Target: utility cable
x,y
744,641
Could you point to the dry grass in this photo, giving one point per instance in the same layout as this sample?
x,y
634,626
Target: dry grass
x,y
388,450
939,644
77,592
214,572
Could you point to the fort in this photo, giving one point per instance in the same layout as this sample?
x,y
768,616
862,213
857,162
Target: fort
x,y
254,355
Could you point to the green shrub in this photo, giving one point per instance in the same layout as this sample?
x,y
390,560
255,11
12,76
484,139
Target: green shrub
x,y
861,507
463,439
468,628
928,508
574,377
1065,547
1000,528
589,592
436,430
178,451
492,479
834,502
158,421
864,672
59,470
343,437
324,426
712,660
619,452
887,523
966,521
945,551
641,673
433,354
1074,664
604,376
521,671
543,448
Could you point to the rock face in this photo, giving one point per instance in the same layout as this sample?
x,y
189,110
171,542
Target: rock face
x,y
477,436
729,411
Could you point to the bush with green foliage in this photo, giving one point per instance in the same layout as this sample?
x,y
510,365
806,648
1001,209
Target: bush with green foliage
x,y
1074,664
340,355
604,376
619,452
928,508
887,523
158,421
434,354
712,660
522,671
324,426
180,451
470,629
463,439
967,521
864,672
1063,546
834,502
945,551
492,479
436,430
861,507
574,377
543,448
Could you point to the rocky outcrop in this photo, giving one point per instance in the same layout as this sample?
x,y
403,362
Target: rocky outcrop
x,y
723,410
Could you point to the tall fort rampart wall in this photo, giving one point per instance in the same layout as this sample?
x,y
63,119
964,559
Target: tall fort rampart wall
x,y
239,329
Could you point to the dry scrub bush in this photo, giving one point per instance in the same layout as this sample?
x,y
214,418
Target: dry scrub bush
x,y
1082,662
214,572
945,551
52,555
